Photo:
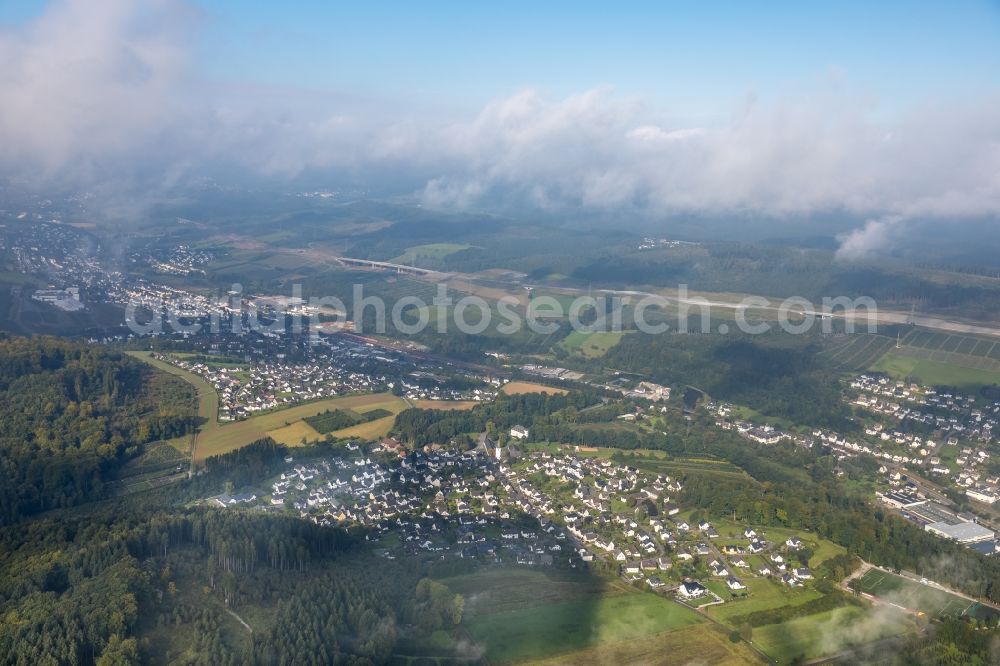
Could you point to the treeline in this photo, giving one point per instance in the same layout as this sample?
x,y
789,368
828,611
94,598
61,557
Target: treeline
x,y
72,414
950,642
426,426
247,464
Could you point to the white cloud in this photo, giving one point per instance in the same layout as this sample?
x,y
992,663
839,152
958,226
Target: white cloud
x,y
874,237
655,134
101,90
92,82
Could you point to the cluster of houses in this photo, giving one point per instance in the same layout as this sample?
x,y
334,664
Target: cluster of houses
x,y
140,294
255,387
963,432
648,243
58,255
414,389
618,514
957,419
543,509
180,260
333,369
438,501
954,415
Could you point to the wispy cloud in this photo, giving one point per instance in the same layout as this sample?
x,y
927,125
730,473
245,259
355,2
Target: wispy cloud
x,y
869,240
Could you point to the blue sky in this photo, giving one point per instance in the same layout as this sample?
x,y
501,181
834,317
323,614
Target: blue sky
x,y
887,110
696,57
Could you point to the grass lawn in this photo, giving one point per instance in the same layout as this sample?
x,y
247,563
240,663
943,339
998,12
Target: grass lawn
x,y
900,365
550,629
827,633
764,594
692,644
750,414
680,466
518,614
505,589
822,549
517,387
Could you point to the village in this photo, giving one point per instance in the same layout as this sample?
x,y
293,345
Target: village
x,y
330,368
530,507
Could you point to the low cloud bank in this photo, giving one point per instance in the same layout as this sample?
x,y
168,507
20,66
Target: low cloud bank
x,y
106,94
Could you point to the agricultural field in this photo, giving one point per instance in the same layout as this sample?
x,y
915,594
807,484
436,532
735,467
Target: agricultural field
x,y
517,616
926,356
938,358
293,434
272,423
555,304
445,405
826,633
908,363
591,345
519,387
913,595
673,466
370,430
857,352
340,419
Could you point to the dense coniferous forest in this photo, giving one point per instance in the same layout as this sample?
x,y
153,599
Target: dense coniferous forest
x,y
72,414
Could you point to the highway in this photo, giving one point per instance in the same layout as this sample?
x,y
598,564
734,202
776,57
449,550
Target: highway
x,y
859,317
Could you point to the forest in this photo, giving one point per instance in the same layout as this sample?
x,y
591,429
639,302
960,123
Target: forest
x,y
73,414
776,374
129,582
